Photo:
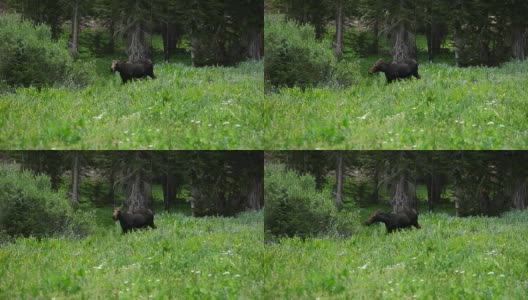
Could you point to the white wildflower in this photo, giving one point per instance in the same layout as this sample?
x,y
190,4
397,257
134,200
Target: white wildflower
x,y
363,117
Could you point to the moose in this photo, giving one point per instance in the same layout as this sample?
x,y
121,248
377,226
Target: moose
x,y
395,220
396,70
129,71
132,220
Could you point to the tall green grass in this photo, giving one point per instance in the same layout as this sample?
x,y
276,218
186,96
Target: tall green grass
x,y
185,258
185,108
449,258
449,108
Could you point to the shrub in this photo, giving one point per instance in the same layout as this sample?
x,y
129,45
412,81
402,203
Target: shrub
x,y
28,56
28,206
295,58
345,73
293,206
344,223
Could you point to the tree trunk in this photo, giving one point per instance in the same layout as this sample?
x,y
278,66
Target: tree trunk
x,y
458,45
404,197
75,180
434,191
75,30
403,41
430,40
170,190
256,193
111,42
375,189
520,194
111,192
256,44
518,43
138,48
375,41
166,42
403,190
339,180
138,187
338,50
484,202
459,198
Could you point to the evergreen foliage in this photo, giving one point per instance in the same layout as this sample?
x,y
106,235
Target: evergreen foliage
x,y
28,207
295,58
28,57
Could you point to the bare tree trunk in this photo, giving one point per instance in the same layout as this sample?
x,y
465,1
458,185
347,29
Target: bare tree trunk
x,y
138,187
74,51
112,36
403,41
459,197
375,189
338,50
170,190
434,190
402,186
166,42
520,194
111,191
75,180
339,180
256,44
375,42
138,48
256,193
403,194
459,44
518,43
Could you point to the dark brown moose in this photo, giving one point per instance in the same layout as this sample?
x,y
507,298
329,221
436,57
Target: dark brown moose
x,y
396,70
395,220
129,71
132,220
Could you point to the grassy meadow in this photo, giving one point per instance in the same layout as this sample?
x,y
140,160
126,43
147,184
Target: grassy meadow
x,y
449,108
449,258
185,108
184,258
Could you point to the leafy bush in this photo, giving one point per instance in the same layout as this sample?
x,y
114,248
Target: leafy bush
x,y
345,73
293,206
28,56
295,58
344,223
29,207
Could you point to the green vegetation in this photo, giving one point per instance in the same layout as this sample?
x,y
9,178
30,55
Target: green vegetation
x,y
36,60
449,258
185,108
29,207
185,258
449,108
295,58
296,208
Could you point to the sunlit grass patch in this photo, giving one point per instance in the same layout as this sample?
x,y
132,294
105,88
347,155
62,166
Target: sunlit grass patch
x,y
449,108
448,258
185,108
184,258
